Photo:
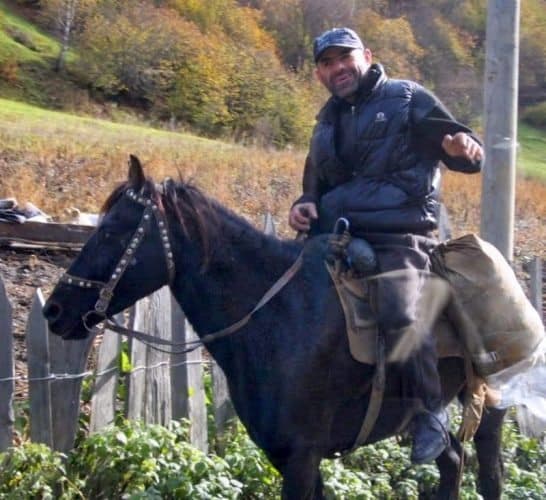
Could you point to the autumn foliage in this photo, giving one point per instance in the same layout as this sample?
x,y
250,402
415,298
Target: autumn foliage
x,y
243,69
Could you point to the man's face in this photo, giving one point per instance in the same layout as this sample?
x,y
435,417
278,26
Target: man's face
x,y
341,69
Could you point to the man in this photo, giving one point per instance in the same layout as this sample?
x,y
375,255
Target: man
x,y
374,159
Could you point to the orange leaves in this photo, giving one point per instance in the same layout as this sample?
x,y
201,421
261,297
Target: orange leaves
x,y
393,43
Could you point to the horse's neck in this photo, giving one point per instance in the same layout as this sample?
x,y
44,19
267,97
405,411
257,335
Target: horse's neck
x,y
242,268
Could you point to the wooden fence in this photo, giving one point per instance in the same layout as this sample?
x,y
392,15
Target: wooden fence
x,y
159,386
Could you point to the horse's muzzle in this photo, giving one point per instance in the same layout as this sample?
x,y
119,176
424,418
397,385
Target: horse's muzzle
x,y
53,313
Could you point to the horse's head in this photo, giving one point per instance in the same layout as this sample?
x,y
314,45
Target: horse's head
x,y
128,257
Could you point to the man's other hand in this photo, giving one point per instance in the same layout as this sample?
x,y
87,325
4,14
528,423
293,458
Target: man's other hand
x,y
301,215
462,145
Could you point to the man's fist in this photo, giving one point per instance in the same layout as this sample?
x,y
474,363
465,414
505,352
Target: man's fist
x,y
301,215
463,146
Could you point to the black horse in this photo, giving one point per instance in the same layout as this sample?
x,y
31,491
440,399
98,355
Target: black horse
x,y
292,380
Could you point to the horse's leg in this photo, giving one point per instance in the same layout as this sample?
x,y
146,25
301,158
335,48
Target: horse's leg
x,y
448,464
301,476
488,449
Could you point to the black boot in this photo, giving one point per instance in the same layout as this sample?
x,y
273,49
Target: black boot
x,y
430,436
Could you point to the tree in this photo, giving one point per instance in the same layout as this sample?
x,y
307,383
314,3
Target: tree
x,y
392,42
132,50
533,52
65,17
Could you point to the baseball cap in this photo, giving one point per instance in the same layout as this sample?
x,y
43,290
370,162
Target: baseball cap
x,y
337,37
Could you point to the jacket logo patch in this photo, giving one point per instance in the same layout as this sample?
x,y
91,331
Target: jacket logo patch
x,y
380,117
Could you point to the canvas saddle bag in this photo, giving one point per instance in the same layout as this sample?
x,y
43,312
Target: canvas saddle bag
x,y
496,322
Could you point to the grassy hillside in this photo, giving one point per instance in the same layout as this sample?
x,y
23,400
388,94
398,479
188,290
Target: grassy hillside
x,y
532,151
57,161
27,59
22,40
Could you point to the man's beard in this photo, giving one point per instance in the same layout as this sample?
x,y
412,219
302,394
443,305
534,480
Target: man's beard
x,y
346,88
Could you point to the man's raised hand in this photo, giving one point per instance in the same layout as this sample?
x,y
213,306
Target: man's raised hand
x,y
462,145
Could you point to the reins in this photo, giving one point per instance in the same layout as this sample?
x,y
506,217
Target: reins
x,y
106,290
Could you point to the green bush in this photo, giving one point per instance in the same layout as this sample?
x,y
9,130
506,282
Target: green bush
x,y
33,470
134,460
138,461
535,115
249,465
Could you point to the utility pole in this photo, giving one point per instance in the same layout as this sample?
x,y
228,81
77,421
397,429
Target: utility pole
x,y
500,109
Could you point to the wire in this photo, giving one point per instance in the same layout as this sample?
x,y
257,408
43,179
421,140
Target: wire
x,y
72,376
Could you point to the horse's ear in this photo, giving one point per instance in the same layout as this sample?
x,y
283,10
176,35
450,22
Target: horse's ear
x,y
136,173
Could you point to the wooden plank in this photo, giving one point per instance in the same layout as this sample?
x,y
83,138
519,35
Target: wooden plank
x,y
136,379
40,233
269,225
37,342
149,392
103,400
6,371
157,396
188,388
67,357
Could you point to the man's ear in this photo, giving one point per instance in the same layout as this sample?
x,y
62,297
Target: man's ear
x,y
319,76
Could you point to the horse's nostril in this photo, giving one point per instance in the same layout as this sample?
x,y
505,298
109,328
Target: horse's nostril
x,y
51,311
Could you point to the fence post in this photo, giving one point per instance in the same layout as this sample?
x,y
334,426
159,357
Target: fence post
x,y
188,388
67,357
150,391
269,225
535,273
135,380
103,401
41,427
444,224
6,371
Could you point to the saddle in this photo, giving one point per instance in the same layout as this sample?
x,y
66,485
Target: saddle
x,y
361,325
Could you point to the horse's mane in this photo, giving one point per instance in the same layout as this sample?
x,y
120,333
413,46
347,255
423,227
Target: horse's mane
x,y
199,216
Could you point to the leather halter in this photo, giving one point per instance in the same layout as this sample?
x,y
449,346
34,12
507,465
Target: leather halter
x,y
106,289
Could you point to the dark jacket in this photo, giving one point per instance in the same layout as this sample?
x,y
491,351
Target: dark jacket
x,y
377,162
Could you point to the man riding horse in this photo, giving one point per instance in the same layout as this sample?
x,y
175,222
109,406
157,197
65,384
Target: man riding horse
x,y
374,159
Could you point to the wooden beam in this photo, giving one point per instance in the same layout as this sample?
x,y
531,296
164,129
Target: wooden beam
x,y
44,234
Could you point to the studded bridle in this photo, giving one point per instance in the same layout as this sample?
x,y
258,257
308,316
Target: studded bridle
x,y
106,289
